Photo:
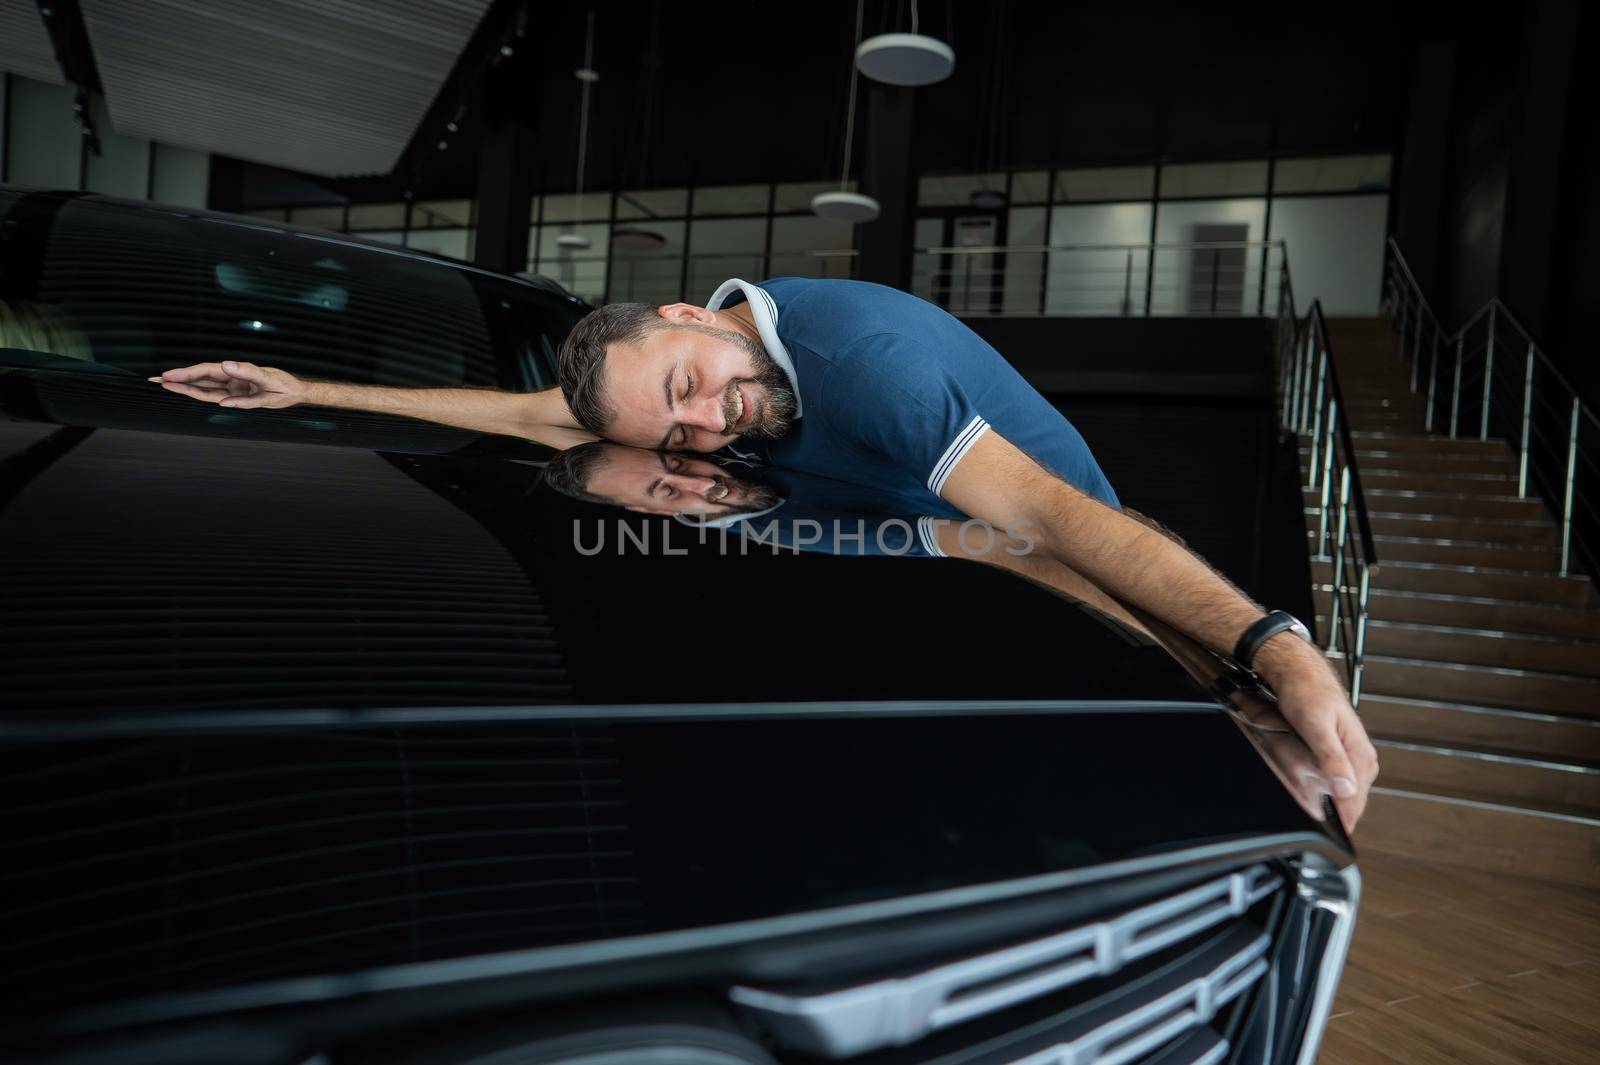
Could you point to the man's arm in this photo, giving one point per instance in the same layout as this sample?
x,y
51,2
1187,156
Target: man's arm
x,y
1000,484
540,416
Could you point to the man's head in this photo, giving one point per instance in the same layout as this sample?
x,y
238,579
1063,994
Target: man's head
x,y
677,377
654,482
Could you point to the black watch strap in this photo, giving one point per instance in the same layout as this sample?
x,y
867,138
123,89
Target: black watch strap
x,y
1244,652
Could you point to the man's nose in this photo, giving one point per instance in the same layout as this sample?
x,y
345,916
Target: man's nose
x,y
689,483
707,412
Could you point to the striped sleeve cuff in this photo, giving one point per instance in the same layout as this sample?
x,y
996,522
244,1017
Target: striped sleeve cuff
x,y
955,453
928,533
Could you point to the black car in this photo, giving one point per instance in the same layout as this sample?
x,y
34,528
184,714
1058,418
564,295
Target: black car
x,y
324,741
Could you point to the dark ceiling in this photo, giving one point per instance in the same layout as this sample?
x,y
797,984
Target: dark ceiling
x,y
757,92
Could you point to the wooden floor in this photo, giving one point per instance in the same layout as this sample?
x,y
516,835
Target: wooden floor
x,y
1455,966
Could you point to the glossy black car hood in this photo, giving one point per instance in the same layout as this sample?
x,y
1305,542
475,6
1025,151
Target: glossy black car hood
x,y
247,565
277,708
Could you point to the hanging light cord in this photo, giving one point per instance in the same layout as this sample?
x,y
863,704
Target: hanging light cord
x,y
913,16
850,109
583,114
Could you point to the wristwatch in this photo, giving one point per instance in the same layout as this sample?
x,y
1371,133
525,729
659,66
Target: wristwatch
x,y
1244,652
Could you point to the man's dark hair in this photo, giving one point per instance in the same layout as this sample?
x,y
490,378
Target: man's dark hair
x,y
569,471
582,357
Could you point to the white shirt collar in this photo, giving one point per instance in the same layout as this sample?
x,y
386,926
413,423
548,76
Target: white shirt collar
x,y
765,311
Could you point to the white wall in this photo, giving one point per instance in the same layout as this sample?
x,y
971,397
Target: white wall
x,y
42,146
1335,248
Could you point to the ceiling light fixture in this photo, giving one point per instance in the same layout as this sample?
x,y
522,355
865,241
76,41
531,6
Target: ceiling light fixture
x,y
843,205
905,58
586,76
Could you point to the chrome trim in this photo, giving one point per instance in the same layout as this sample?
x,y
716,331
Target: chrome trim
x,y
1337,891
1493,807
1131,1035
901,1010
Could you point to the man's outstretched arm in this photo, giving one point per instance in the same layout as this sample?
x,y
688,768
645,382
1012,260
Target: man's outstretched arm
x,y
1000,484
540,416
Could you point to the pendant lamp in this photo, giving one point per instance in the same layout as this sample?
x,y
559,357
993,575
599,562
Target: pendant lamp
x,y
843,205
905,58
586,76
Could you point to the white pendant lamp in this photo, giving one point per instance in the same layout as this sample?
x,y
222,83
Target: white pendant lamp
x,y
988,199
586,76
905,58
842,205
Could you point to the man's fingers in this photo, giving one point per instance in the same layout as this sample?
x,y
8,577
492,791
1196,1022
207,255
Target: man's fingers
x,y
248,372
245,402
200,371
205,395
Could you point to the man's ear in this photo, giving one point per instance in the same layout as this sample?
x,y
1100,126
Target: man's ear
x,y
686,314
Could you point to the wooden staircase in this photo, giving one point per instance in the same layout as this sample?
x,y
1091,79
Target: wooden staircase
x,y
1482,686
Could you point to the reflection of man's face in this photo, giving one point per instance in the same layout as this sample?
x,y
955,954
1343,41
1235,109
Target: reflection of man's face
x,y
658,482
695,388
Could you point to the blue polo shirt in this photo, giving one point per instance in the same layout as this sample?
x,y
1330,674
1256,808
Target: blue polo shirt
x,y
893,391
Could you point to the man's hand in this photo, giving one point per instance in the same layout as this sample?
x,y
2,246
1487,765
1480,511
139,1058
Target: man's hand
x,y
236,384
1312,699
1000,484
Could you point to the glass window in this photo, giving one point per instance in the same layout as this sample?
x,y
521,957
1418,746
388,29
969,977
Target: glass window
x,y
441,214
386,236
1030,186
808,246
1024,278
731,199
595,207
1105,183
275,214
179,176
456,243
1083,276
1217,278
1335,248
955,190
582,271
1343,173
928,270
650,275
365,216
1190,180
330,218
796,196
721,248
653,203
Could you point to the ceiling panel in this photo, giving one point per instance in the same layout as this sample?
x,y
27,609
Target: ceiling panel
x,y
332,87
25,46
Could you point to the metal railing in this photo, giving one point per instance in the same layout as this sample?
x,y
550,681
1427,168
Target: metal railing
x,y
1311,405
1490,378
1190,278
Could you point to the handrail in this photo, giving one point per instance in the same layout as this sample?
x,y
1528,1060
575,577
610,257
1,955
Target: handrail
x,y
1311,395
1563,489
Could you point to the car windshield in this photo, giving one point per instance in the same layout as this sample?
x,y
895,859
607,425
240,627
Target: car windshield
x,y
145,289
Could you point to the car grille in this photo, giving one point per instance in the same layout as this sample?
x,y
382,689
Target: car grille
x,y
1167,981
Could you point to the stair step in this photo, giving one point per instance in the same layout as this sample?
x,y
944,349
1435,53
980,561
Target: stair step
x,y
1511,689
1459,552
1525,782
1439,481
1483,647
1539,533
1469,504
1489,836
1522,585
1551,736
1502,466
1475,612
1429,443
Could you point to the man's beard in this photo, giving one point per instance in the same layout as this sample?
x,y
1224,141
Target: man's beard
x,y
776,412
757,497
